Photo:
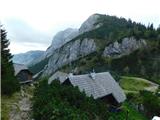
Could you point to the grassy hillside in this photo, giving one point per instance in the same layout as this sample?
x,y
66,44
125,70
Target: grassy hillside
x,y
144,62
141,63
135,84
38,66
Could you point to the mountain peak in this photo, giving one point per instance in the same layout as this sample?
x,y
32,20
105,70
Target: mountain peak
x,y
89,24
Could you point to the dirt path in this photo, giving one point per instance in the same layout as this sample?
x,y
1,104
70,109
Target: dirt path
x,y
21,110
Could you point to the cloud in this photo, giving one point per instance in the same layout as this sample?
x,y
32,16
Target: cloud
x,y
37,21
23,37
16,47
20,31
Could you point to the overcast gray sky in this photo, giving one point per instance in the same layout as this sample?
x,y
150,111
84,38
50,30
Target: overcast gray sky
x,y
31,24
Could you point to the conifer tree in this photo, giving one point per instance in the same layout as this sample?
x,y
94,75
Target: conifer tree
x,y
9,83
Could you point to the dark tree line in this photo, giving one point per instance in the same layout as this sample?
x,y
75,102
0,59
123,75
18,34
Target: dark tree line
x,y
9,83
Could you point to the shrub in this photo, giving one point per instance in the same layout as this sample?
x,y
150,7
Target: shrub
x,y
63,102
151,103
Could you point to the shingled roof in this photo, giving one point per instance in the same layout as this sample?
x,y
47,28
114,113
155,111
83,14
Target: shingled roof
x,y
98,85
19,67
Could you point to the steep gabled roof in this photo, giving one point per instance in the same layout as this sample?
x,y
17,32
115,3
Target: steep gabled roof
x,y
61,76
98,85
18,68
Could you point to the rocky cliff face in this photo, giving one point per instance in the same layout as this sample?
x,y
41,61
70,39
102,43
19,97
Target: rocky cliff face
x,y
127,46
61,38
80,48
71,44
68,34
68,53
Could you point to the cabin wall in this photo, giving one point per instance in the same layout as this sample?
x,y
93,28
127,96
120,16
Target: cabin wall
x,y
24,75
29,77
109,99
67,82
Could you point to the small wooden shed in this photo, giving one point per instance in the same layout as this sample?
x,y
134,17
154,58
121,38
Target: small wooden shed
x,y
22,73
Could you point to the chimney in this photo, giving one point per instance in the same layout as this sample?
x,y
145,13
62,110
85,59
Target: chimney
x,y
92,75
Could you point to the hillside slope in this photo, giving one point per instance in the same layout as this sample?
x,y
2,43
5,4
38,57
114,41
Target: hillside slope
x,y
28,57
108,43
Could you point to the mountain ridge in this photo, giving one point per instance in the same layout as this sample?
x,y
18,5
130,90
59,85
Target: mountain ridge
x,y
113,38
28,57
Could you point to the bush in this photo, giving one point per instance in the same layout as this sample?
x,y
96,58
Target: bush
x,y
63,102
151,103
9,85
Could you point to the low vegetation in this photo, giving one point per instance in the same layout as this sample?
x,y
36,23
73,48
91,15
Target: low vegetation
x,y
145,102
6,105
63,102
142,94
11,106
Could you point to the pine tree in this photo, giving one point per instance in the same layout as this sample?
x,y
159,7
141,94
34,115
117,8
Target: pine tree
x,y
9,83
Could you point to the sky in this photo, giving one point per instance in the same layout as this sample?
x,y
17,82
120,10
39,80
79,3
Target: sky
x,y
32,24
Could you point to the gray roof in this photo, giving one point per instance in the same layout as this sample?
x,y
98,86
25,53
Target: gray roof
x,y
19,67
58,76
98,85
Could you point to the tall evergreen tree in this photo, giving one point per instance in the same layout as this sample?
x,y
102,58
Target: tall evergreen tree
x,y
9,83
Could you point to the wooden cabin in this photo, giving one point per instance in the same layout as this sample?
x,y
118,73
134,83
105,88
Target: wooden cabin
x,y
99,85
22,73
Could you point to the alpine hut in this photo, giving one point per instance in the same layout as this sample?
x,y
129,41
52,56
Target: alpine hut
x,y
99,85
22,73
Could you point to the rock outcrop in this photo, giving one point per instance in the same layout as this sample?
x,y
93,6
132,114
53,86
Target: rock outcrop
x,y
68,34
71,44
68,53
60,39
128,45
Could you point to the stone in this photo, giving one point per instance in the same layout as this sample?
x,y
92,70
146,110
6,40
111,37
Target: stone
x,y
127,46
68,53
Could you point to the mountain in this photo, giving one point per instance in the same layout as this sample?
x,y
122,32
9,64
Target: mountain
x,y
61,38
68,34
106,43
90,23
28,57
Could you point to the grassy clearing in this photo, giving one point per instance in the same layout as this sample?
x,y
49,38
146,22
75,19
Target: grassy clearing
x,y
134,83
